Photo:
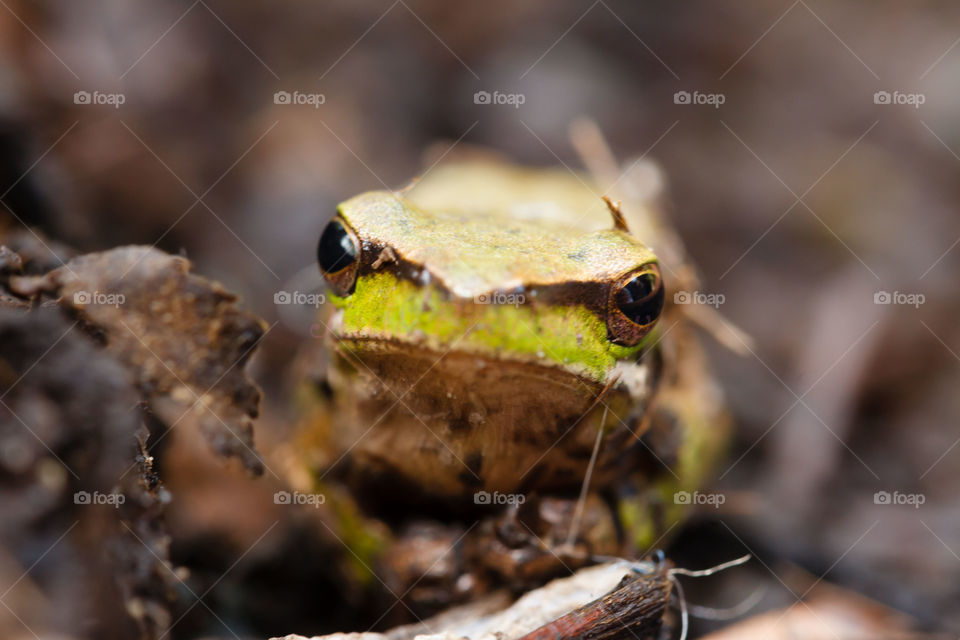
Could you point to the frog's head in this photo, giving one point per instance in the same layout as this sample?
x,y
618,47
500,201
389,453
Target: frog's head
x,y
499,287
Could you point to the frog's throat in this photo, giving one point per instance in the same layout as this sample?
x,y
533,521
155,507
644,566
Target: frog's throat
x,y
385,308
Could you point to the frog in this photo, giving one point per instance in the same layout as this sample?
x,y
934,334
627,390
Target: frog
x,y
508,374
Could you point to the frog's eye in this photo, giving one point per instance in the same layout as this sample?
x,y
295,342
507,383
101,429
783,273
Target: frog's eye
x,y
635,305
338,256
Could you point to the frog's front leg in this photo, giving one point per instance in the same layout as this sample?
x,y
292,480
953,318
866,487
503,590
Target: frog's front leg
x,y
680,447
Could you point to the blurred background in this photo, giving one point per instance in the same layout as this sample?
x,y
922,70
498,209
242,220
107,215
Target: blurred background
x,y
812,160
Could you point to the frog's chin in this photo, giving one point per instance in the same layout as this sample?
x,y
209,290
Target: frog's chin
x,y
515,424
450,373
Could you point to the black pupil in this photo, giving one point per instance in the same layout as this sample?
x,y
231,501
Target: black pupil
x,y
641,299
336,250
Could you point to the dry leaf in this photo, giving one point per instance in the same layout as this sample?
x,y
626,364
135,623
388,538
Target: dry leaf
x,y
180,336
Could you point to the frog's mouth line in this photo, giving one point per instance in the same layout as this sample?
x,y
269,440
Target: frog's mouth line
x,y
392,359
360,346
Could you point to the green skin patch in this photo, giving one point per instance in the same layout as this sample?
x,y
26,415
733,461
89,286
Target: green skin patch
x,y
386,307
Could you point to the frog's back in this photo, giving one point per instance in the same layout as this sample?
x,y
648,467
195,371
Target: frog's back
x,y
486,188
480,227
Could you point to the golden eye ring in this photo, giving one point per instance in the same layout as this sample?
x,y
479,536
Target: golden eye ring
x,y
635,305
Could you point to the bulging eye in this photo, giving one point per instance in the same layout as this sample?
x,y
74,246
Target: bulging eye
x,y
338,255
641,299
635,306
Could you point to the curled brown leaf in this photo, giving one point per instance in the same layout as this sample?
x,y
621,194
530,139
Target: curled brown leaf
x,y
181,337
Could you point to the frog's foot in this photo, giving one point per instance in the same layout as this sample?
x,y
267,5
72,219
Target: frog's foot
x,y
533,542
426,569
431,566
